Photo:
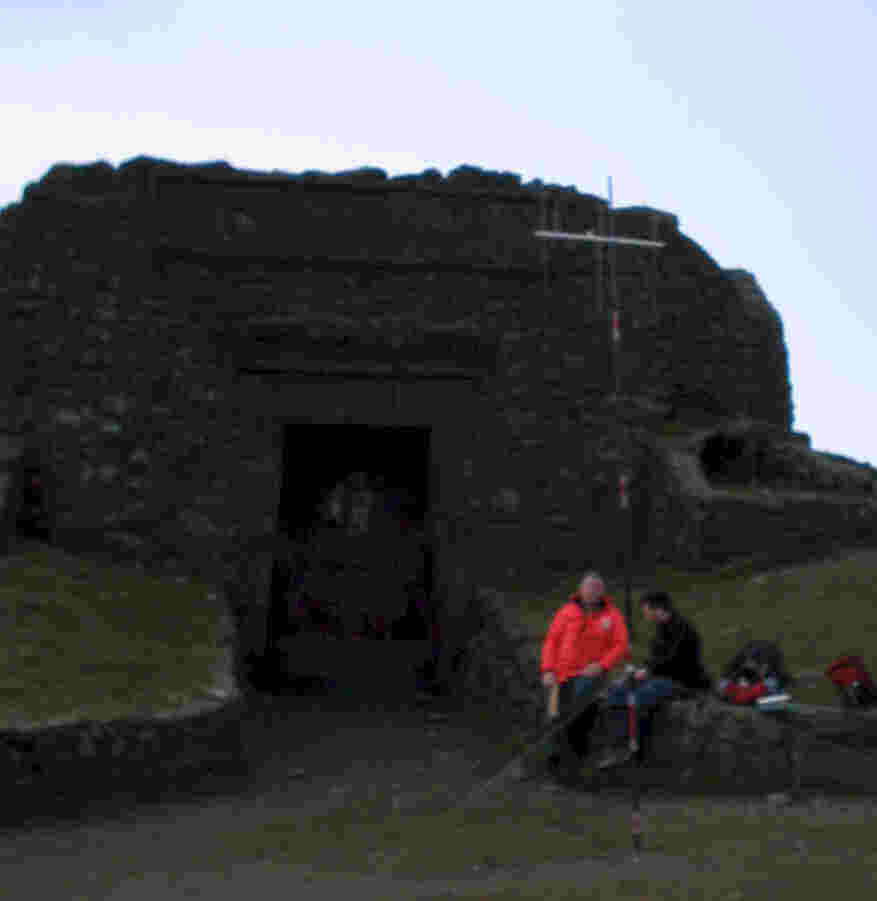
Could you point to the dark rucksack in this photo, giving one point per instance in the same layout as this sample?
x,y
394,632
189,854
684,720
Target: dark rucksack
x,y
759,660
756,670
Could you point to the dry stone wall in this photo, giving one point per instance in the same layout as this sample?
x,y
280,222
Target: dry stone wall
x,y
774,501
501,665
698,743
50,769
123,292
47,768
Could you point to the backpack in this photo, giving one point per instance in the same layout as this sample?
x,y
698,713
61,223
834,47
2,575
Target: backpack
x,y
756,670
853,681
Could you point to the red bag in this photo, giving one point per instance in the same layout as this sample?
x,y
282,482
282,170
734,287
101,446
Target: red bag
x,y
853,681
847,670
736,693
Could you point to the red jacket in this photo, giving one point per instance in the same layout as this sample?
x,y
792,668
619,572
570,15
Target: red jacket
x,y
576,638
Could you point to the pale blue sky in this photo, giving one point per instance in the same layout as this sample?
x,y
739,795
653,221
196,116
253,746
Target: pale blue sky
x,y
753,122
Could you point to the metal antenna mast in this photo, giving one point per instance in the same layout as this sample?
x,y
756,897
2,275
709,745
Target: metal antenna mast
x,y
615,332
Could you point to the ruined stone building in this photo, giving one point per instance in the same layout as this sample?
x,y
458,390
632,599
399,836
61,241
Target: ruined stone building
x,y
237,373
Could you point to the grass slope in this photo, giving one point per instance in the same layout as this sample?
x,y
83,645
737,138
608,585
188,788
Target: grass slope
x,y
81,640
84,640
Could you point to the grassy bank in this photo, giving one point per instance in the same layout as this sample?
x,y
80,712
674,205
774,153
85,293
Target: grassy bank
x,y
95,641
821,610
88,641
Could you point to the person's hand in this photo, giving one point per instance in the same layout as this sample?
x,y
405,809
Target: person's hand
x,y
640,674
592,669
548,680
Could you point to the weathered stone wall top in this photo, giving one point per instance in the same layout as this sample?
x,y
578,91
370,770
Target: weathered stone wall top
x,y
455,249
469,215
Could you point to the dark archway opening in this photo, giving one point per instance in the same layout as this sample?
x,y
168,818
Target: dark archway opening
x,y
722,458
31,499
353,576
739,460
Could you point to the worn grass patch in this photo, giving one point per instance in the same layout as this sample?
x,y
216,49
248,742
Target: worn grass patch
x,y
88,641
710,850
803,880
371,837
821,610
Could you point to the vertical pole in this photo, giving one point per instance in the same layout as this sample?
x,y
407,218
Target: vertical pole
x,y
599,274
543,209
50,492
633,734
557,218
653,269
613,298
628,558
626,531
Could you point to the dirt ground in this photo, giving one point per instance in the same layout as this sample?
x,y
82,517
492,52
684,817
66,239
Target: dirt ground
x,y
307,754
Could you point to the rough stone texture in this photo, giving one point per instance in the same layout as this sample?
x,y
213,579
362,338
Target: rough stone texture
x,y
162,322
739,742
771,499
502,662
48,768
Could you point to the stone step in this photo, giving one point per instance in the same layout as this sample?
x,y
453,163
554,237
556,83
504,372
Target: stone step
x,y
372,667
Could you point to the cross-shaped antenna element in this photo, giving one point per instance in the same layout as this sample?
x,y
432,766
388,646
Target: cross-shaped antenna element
x,y
590,236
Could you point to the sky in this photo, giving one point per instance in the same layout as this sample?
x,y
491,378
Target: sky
x,y
753,122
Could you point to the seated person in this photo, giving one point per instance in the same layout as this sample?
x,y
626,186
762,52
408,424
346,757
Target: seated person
x,y
586,639
674,670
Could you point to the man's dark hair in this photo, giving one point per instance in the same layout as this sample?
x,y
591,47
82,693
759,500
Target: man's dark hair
x,y
658,600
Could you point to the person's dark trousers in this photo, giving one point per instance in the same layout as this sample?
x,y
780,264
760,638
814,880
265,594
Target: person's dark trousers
x,y
650,694
574,741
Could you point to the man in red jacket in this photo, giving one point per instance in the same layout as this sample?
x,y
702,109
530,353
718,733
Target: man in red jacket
x,y
586,639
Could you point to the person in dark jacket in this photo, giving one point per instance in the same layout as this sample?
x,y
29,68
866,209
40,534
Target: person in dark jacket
x,y
674,670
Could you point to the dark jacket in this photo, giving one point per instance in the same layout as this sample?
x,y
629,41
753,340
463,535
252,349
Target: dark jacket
x,y
675,654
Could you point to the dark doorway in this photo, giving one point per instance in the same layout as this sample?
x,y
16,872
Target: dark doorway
x,y
317,457
730,459
355,564
33,517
